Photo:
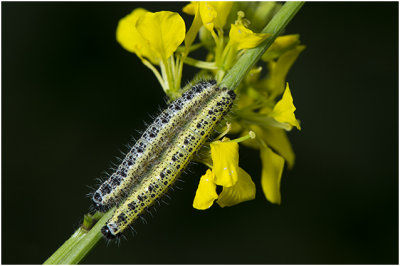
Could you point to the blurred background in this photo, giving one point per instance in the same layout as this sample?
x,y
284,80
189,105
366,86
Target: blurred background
x,y
72,97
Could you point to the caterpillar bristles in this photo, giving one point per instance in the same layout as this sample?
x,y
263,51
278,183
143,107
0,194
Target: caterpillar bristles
x,y
91,209
132,228
167,196
185,125
98,179
114,164
119,240
104,172
149,212
142,219
133,231
164,202
157,201
90,194
180,180
177,187
113,169
147,149
154,208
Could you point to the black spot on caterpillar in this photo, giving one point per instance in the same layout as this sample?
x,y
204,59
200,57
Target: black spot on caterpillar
x,y
148,148
172,162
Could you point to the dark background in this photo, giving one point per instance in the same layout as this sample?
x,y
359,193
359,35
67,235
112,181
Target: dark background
x,y
71,97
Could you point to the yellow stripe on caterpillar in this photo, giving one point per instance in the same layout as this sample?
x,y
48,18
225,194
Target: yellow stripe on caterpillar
x,y
147,149
173,161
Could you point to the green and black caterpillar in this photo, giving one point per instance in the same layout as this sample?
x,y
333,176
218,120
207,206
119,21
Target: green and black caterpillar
x,y
189,121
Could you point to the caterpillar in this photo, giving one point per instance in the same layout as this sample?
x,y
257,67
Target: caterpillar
x,y
148,148
172,162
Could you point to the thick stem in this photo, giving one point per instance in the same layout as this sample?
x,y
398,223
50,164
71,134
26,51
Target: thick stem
x,y
80,243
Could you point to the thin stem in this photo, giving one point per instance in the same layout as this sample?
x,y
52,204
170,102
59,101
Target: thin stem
x,y
156,73
165,77
171,63
200,64
81,242
226,131
192,48
251,135
170,77
179,69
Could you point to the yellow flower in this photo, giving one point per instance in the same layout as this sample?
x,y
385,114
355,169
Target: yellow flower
x,y
206,192
210,14
154,36
128,36
243,190
272,168
237,184
214,14
281,45
272,161
275,83
244,38
270,135
191,8
283,111
164,31
240,38
225,158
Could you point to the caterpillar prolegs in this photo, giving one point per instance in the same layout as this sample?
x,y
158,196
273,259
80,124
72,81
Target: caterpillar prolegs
x,y
148,148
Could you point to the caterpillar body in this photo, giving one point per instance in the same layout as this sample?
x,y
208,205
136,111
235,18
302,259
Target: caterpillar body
x,y
162,175
148,148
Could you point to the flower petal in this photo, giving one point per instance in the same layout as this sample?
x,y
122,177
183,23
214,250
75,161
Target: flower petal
x,y
127,34
192,9
272,168
245,38
225,156
244,190
214,14
223,9
284,110
164,31
208,15
279,69
281,45
275,138
206,192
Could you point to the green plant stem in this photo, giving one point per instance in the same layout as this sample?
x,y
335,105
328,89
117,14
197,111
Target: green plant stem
x,y
81,242
200,64
235,75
